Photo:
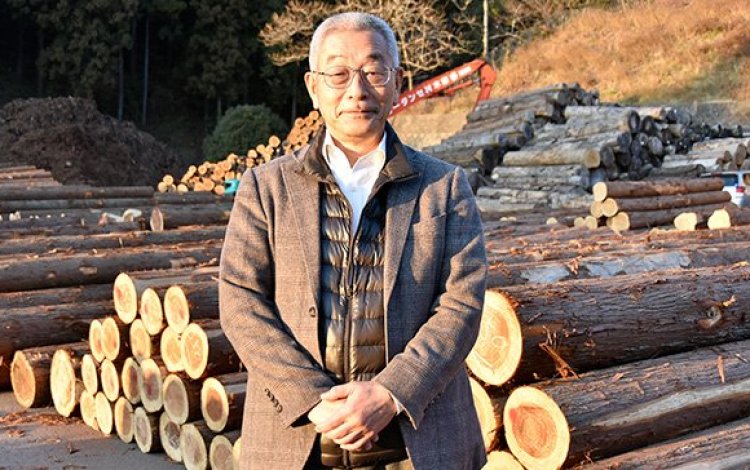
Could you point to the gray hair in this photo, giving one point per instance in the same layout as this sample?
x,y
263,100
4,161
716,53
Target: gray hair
x,y
353,21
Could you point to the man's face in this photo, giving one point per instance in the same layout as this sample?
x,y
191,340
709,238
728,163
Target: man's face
x,y
355,114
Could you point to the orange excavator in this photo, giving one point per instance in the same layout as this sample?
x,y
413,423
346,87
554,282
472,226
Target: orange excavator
x,y
448,83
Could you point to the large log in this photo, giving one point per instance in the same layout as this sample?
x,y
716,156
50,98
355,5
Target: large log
x,y
76,192
729,217
623,221
616,410
574,175
222,399
221,452
123,419
558,155
664,187
71,243
7,206
30,373
664,202
66,385
169,434
719,448
182,398
195,440
573,326
100,267
61,227
169,217
146,430
63,295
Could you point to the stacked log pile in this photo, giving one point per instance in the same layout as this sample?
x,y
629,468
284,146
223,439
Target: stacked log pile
x,y
25,176
613,344
686,203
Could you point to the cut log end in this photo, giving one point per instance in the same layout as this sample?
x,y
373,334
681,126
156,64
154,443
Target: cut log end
x,y
88,409
169,433
220,453
104,413
535,429
64,387
90,373
140,341
156,221
498,349
150,385
176,401
501,460
176,309
145,431
194,351
110,380
171,350
131,377
22,380
95,340
151,312
124,419
237,452
720,219
490,418
111,338
600,191
686,222
194,447
214,404
125,298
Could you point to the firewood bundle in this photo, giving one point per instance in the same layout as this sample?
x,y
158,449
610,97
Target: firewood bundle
x,y
499,125
605,345
302,131
686,203
25,176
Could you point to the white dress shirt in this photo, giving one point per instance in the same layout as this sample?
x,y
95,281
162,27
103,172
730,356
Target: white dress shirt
x,y
356,181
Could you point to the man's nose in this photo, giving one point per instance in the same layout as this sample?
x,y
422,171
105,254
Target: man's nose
x,y
358,87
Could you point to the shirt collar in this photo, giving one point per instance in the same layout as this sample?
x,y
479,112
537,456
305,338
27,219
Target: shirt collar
x,y
334,156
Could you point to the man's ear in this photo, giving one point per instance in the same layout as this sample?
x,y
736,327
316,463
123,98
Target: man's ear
x,y
399,82
311,83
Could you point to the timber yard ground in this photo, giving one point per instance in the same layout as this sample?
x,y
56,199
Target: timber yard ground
x,y
41,439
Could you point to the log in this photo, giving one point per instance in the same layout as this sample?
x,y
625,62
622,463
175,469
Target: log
x,y
719,448
687,170
186,302
573,175
105,418
689,221
8,206
182,398
169,434
110,375
89,373
151,384
170,347
75,192
64,295
237,452
169,217
664,187
489,410
123,418
95,342
71,243
501,460
87,407
146,431
195,439
129,287
100,267
613,206
60,227
142,344
222,399
623,221
616,410
560,155
604,113
130,378
728,217
221,452
574,326
30,373
207,351
114,339
151,310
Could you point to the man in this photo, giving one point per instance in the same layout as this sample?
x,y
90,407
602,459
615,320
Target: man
x,y
352,282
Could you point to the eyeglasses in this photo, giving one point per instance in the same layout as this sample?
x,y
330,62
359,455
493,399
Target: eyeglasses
x,y
341,76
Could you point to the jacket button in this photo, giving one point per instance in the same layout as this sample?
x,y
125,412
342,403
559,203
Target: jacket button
x,y
313,312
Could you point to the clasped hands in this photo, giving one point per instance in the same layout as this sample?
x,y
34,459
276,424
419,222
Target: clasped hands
x,y
353,414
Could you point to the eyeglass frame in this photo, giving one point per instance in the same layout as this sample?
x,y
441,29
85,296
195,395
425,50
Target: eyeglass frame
x,y
359,71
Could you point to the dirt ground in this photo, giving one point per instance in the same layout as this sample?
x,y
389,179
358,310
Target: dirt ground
x,y
41,439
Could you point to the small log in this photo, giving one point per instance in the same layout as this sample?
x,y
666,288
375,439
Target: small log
x,y
186,302
90,374
195,439
237,452
490,413
75,192
182,398
653,203
104,413
220,454
95,341
721,447
688,221
151,310
687,170
169,434
664,187
87,407
65,379
110,375
123,418
114,345
146,431
130,378
151,382
207,352
611,411
171,350
559,155
142,344
728,217
170,217
64,295
30,373
222,399
624,221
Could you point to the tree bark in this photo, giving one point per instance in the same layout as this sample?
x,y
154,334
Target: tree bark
x,y
654,203
664,187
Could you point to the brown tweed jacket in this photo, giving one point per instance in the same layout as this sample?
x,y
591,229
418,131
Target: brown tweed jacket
x,y
434,278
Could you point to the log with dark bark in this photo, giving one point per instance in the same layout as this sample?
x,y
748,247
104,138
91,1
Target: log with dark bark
x,y
222,399
182,398
30,373
206,351
623,221
574,326
169,217
664,187
63,295
654,203
103,266
75,192
719,448
729,216
611,411
11,229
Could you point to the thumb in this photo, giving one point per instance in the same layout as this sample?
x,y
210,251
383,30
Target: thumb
x,y
338,392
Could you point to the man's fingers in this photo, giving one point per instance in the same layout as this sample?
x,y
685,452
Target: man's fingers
x,y
334,421
336,393
347,432
362,444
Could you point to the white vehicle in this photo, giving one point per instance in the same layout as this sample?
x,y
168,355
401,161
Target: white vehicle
x,y
735,183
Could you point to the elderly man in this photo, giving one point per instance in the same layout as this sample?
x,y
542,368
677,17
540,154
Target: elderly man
x,y
352,282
